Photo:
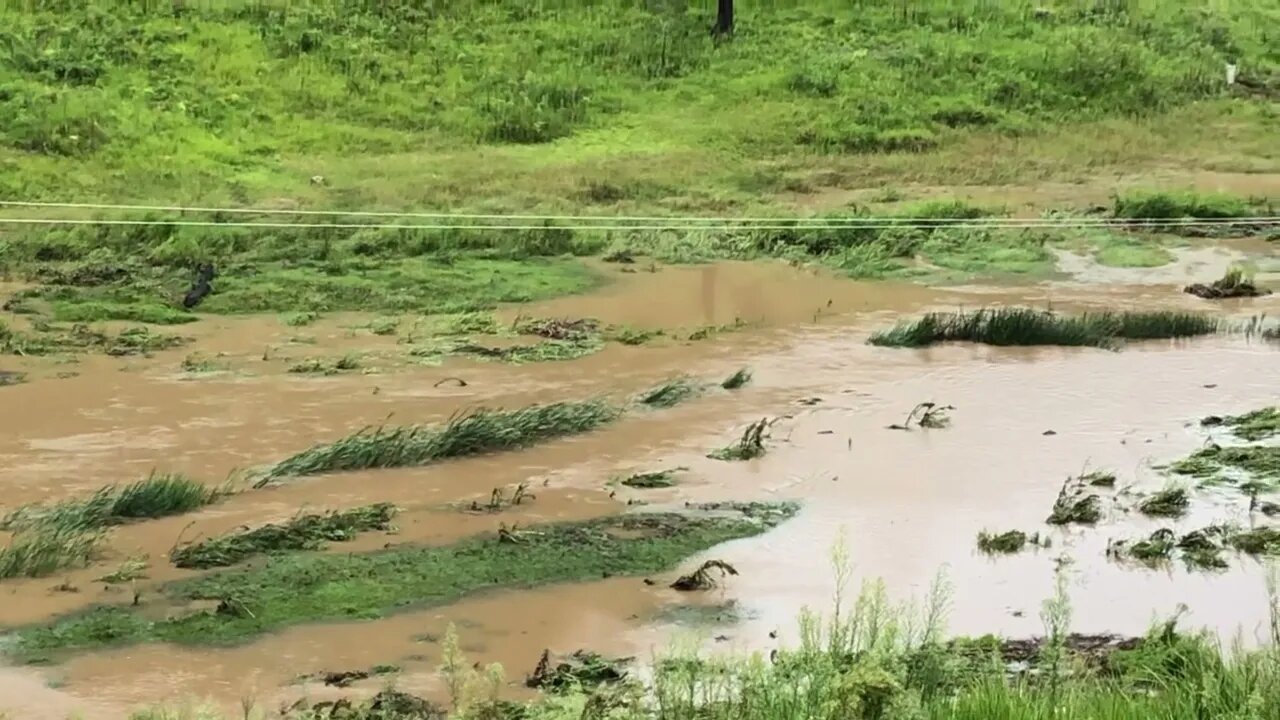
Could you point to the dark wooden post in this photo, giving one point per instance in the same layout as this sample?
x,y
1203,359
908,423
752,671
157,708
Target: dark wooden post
x,y
724,18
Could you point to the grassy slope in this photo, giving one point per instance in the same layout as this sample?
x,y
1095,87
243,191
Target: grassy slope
x,y
515,105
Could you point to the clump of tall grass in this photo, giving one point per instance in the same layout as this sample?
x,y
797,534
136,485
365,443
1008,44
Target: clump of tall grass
x,y
471,433
1027,326
748,447
157,495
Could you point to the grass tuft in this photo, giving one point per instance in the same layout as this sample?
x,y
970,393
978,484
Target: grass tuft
x,y
1075,505
1026,326
650,480
303,532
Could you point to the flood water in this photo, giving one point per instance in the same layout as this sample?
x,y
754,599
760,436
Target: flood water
x,y
906,505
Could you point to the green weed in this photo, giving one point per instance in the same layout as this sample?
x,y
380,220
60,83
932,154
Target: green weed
x,y
302,318
649,480
134,568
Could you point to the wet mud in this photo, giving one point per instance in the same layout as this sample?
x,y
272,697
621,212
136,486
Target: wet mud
x,y
907,504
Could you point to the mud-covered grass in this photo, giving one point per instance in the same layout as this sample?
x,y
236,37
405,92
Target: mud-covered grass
x,y
326,366
543,351
651,480
301,588
474,432
1099,478
1252,426
310,531
1028,326
157,495
48,338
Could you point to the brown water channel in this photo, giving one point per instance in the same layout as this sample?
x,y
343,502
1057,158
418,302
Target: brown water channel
x,y
907,505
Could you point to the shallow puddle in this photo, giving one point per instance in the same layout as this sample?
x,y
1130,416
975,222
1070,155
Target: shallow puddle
x,y
907,504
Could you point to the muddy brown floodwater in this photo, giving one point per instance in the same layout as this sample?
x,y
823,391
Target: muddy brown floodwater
x,y
907,505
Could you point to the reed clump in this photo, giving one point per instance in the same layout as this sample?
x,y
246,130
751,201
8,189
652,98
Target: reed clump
x,y
1028,326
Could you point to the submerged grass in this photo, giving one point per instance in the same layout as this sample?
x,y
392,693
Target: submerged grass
x,y
157,495
321,587
748,447
303,532
1027,326
472,433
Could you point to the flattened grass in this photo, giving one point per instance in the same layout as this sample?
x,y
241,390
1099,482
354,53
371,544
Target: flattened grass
x,y
320,587
1028,326
472,433
304,532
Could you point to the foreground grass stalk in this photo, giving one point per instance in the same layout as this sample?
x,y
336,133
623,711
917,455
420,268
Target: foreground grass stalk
x,y
318,587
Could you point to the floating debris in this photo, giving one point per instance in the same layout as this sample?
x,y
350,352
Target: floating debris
x,y
649,480
1233,284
